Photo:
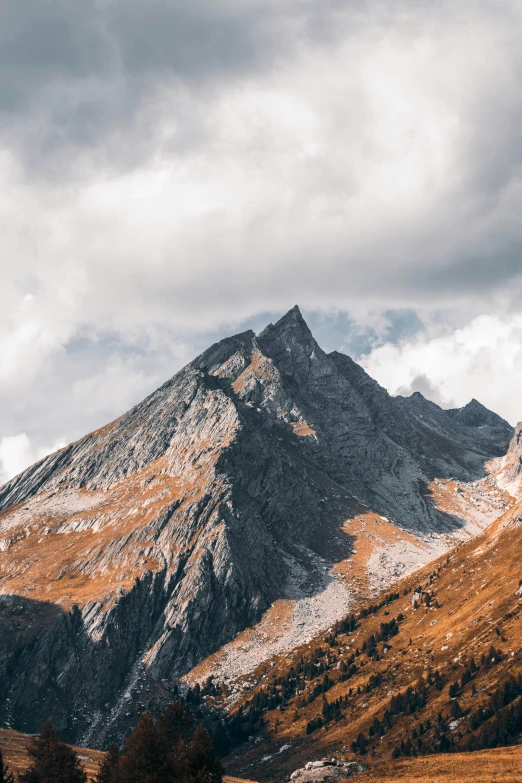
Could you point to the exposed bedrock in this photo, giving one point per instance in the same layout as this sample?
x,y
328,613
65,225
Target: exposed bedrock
x,y
131,555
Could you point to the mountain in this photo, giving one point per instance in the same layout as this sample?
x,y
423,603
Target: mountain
x,y
474,420
265,471
510,469
433,666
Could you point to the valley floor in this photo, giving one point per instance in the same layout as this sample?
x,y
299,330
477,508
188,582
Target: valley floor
x,y
13,745
501,765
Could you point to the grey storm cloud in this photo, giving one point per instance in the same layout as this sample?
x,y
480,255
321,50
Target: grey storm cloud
x,y
73,73
42,42
171,170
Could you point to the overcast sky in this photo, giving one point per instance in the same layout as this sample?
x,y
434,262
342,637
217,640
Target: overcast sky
x,y
171,172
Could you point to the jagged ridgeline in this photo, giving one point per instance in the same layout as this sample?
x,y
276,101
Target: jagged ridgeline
x,y
131,555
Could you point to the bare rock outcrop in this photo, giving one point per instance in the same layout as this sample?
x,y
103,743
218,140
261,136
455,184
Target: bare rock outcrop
x,y
131,555
327,771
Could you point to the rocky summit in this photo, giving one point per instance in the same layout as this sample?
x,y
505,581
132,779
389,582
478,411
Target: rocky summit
x,y
258,474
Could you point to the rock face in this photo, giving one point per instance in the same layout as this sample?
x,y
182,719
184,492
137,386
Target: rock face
x,y
129,556
326,771
510,473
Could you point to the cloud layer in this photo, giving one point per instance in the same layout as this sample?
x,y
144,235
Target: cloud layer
x,y
482,359
169,171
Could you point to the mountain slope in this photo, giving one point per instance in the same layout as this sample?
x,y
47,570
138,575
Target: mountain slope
x,y
134,553
455,641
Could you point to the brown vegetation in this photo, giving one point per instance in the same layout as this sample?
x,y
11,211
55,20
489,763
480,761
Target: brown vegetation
x,y
458,628
501,765
14,747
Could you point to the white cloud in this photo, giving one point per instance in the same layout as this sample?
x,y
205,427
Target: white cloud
x,y
482,359
422,384
17,453
116,387
366,160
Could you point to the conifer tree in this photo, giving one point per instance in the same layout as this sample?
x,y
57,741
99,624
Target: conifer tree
x,y
204,762
144,759
109,768
325,709
174,724
6,776
455,709
51,760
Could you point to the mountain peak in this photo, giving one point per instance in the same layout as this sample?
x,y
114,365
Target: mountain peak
x,y
294,314
225,488
474,404
293,319
291,343
475,414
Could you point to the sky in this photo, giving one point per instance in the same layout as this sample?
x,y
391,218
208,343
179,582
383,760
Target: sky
x,y
174,172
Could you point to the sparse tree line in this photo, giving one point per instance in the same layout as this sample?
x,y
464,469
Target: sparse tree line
x,y
499,722
496,723
316,673
320,665
168,749
424,738
313,676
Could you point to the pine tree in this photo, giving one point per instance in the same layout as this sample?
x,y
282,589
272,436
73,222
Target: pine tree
x,y
325,709
51,760
174,724
6,776
455,709
144,759
204,762
109,768
453,689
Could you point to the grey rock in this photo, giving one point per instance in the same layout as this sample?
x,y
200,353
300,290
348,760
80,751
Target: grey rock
x,y
320,771
200,501
513,462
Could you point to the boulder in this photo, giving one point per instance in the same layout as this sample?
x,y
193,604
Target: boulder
x,y
326,771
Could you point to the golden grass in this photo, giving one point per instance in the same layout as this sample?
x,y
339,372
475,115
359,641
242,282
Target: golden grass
x,y
477,605
71,563
502,765
302,429
14,748
228,779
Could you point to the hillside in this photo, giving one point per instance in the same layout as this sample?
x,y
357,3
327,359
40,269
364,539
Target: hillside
x,y
13,745
502,765
265,489
436,665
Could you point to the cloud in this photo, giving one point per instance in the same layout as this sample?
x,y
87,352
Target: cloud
x,y
107,83
169,171
17,453
351,170
116,387
482,359
422,384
